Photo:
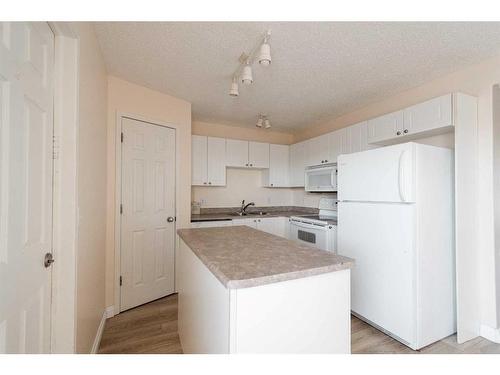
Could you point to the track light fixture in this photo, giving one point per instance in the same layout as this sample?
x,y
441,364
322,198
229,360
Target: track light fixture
x,y
259,122
265,52
246,76
234,88
263,120
244,70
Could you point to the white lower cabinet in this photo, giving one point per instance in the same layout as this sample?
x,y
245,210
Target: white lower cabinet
x,y
272,225
211,224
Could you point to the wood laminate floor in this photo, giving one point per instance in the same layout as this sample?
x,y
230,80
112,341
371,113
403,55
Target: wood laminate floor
x,y
152,328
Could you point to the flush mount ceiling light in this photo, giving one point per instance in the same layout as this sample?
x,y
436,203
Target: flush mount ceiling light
x,y
244,70
263,120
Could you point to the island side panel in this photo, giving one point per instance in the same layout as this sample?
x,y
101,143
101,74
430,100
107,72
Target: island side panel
x,y
307,315
203,306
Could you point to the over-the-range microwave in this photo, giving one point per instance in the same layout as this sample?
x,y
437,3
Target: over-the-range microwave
x,y
321,178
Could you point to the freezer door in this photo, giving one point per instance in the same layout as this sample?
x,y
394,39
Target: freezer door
x,y
379,237
381,175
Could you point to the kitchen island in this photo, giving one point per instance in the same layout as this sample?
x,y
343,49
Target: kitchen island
x,y
242,290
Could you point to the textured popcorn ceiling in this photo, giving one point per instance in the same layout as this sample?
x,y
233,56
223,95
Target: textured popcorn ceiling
x,y
319,70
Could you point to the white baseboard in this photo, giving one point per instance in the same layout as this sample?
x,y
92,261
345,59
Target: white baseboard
x,y
110,311
100,329
492,334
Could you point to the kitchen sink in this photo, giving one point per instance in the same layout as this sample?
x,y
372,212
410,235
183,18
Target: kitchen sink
x,y
261,213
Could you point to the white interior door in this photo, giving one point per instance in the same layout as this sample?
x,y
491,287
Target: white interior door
x,y
26,131
147,221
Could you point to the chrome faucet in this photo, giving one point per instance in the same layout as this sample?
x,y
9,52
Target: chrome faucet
x,y
244,207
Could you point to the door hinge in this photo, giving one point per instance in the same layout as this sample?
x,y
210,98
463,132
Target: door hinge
x,y
122,137
55,147
121,281
121,209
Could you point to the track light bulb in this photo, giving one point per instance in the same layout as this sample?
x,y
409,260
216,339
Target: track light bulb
x,y
246,76
265,54
234,88
267,124
259,122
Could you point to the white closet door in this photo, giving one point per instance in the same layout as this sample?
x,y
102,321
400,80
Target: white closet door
x,y
147,227
26,132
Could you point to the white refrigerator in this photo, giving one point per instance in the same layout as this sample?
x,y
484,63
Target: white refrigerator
x,y
395,218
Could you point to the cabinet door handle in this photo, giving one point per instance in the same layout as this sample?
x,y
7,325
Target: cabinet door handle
x,y
210,183
398,133
246,164
272,184
204,183
326,161
405,131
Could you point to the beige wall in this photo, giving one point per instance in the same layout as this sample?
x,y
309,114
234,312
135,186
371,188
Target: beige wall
x,y
131,99
243,133
241,184
90,294
476,80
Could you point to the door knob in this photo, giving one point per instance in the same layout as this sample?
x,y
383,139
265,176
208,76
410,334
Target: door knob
x,y
170,219
48,260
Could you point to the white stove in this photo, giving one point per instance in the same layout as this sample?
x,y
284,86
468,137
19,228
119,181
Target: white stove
x,y
318,230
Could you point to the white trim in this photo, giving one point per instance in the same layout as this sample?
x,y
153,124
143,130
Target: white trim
x,y
118,190
98,335
110,311
489,333
65,217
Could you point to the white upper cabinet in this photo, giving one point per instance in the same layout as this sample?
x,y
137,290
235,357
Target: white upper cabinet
x,y
244,154
335,140
258,155
317,150
198,160
216,165
385,127
208,155
298,157
428,116
278,173
236,153
431,117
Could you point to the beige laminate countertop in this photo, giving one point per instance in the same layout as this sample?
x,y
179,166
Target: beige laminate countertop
x,y
243,257
227,216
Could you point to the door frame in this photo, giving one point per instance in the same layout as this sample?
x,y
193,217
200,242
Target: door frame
x,y
64,188
118,194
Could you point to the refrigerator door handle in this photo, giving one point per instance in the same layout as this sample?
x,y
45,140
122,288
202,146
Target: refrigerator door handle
x,y
402,177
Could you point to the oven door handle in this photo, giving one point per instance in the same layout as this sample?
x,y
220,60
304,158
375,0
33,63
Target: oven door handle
x,y
301,224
